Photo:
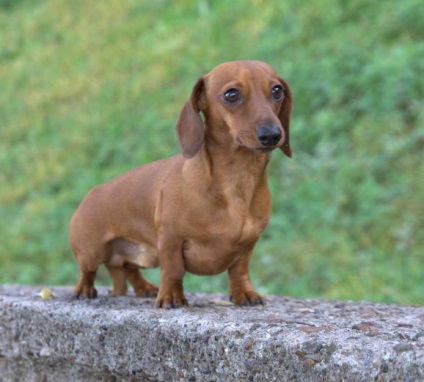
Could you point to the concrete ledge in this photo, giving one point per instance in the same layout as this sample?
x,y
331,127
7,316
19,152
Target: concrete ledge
x,y
123,338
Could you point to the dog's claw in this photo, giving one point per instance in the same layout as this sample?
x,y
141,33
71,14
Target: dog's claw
x,y
150,293
89,293
258,301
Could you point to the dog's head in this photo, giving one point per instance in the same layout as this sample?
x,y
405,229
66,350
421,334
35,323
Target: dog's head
x,y
244,100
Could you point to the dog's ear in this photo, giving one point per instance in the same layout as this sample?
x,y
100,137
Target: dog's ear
x,y
190,127
284,116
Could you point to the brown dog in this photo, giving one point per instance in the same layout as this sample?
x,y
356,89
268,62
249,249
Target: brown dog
x,y
202,211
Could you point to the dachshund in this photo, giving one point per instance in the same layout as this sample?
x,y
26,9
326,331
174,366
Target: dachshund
x,y
200,211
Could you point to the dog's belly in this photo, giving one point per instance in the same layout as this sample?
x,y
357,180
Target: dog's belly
x,y
128,252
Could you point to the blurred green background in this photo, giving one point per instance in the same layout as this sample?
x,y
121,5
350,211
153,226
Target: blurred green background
x,y
90,89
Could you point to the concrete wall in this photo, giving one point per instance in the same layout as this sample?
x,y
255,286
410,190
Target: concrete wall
x,y
115,339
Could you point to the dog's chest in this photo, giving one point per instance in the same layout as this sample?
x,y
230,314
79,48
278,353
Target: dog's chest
x,y
236,225
223,244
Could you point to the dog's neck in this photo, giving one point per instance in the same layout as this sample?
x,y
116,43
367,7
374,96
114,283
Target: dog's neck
x,y
232,162
238,174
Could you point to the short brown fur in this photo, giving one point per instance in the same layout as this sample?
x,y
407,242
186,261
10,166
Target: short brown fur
x,y
200,212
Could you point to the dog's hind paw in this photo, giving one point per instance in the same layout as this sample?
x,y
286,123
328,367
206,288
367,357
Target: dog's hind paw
x,y
148,290
86,292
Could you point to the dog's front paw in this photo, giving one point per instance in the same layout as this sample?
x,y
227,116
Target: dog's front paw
x,y
247,298
169,300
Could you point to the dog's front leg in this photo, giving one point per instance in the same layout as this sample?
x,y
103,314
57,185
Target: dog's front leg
x,y
172,270
241,288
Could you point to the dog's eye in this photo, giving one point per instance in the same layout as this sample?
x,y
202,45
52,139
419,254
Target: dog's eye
x,y
277,93
232,95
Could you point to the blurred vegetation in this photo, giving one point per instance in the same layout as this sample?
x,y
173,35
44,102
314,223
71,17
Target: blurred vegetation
x,y
90,89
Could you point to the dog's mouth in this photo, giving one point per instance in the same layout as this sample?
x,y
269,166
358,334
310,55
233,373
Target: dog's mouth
x,y
256,148
265,149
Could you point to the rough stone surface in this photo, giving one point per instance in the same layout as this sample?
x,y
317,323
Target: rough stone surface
x,y
123,338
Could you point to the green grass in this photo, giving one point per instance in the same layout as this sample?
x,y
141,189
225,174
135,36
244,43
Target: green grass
x,y
92,89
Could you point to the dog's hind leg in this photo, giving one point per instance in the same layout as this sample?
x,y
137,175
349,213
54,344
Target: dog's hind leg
x,y
119,280
142,287
88,264
85,286
125,263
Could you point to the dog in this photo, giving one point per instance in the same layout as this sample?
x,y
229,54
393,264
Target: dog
x,y
201,211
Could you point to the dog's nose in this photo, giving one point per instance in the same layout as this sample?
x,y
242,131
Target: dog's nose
x,y
269,135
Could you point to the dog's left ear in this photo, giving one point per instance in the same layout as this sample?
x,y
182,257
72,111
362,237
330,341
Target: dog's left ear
x,y
284,117
190,127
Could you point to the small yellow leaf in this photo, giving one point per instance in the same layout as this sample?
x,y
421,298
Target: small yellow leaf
x,y
45,294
